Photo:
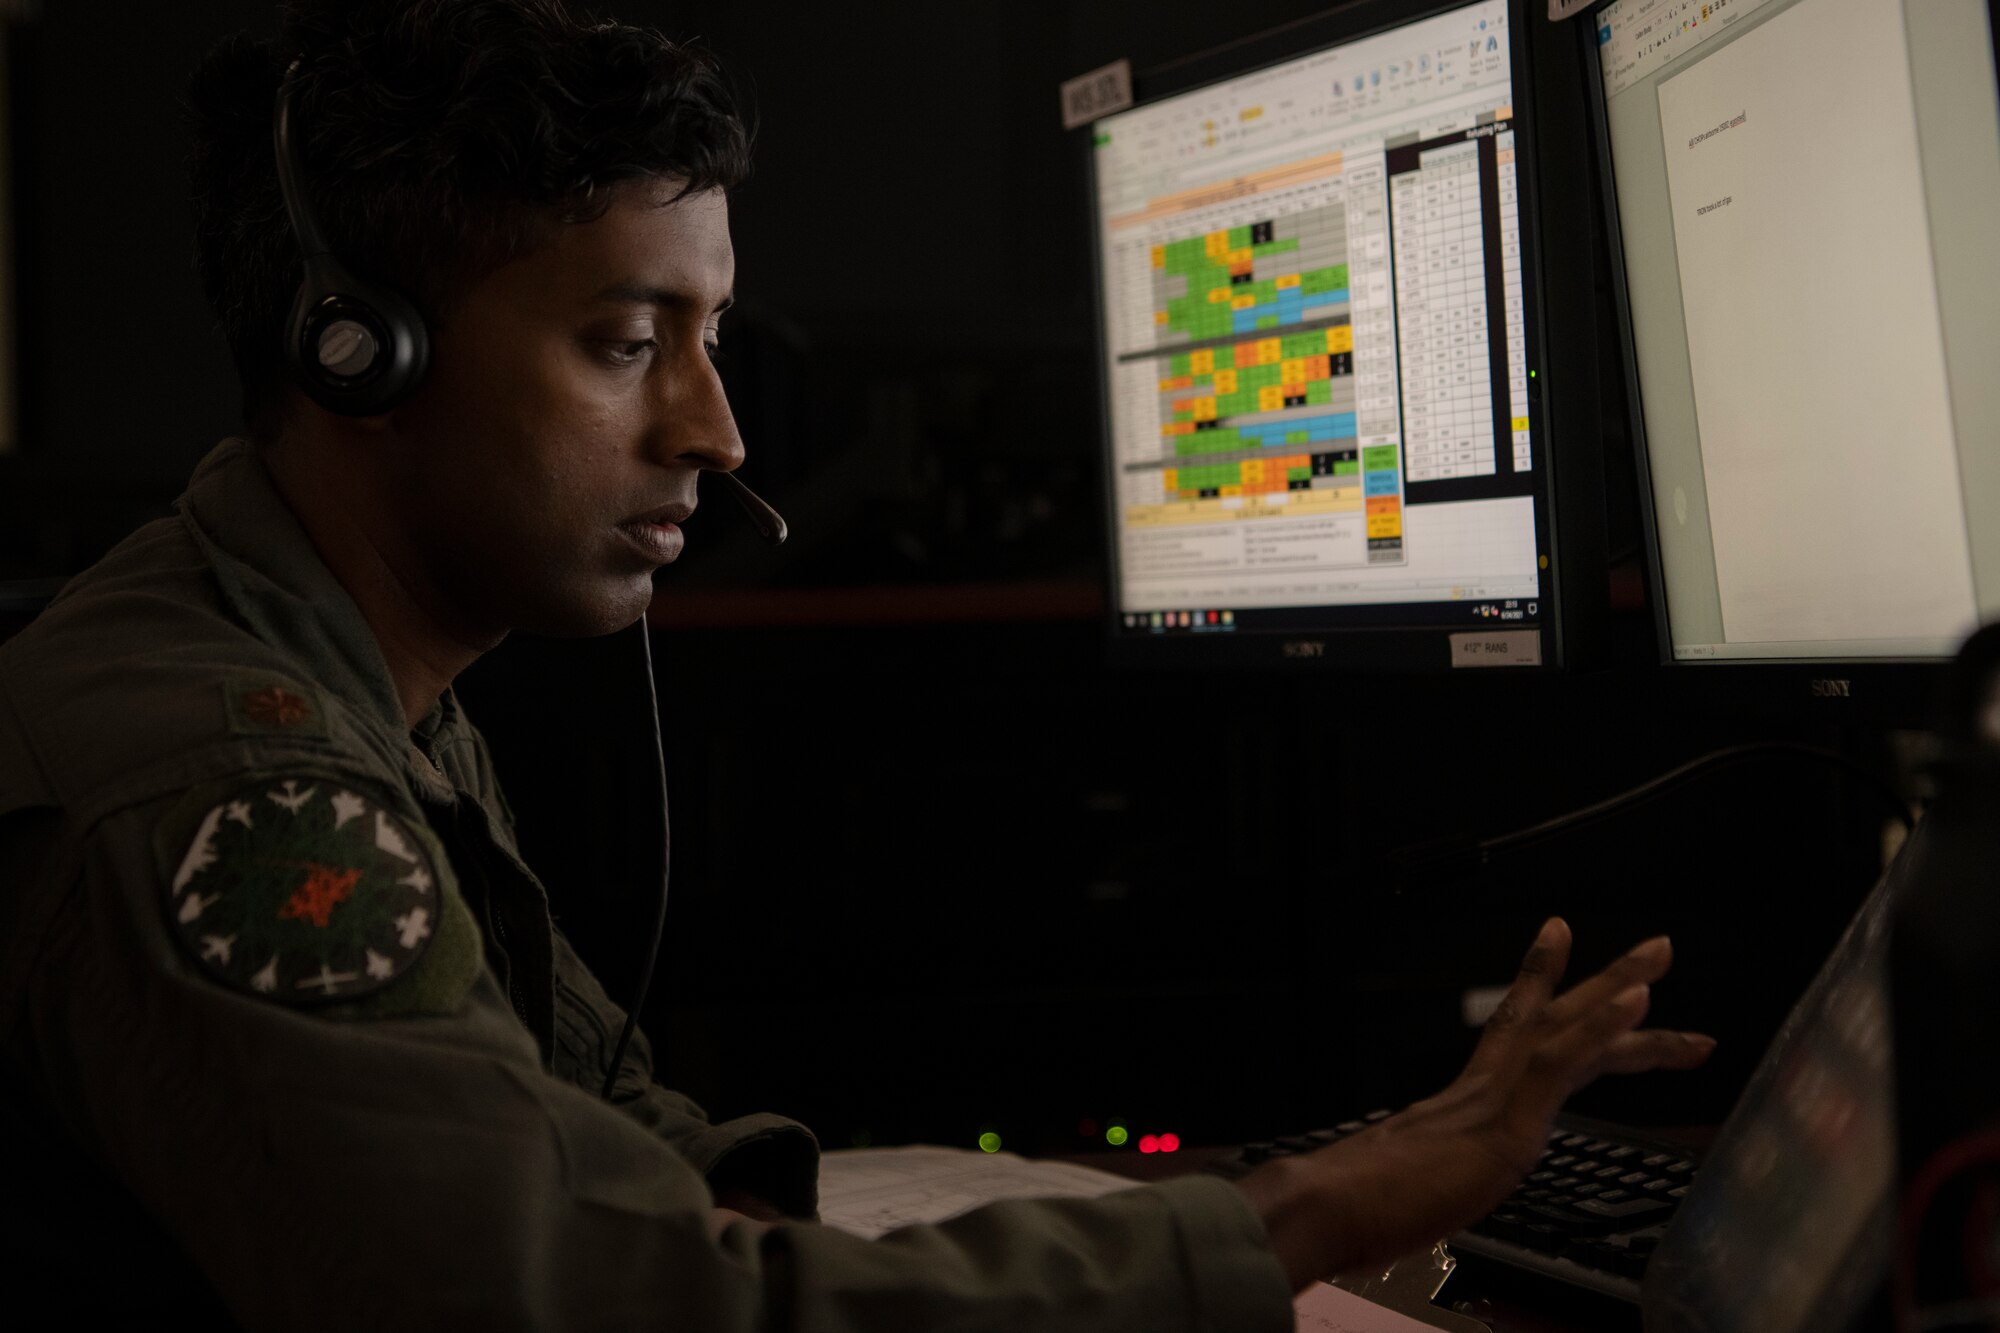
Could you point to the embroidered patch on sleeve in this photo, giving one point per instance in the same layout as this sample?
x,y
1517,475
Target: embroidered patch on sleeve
x,y
272,706
302,890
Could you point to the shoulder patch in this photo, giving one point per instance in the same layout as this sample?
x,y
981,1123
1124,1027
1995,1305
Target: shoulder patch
x,y
270,705
304,890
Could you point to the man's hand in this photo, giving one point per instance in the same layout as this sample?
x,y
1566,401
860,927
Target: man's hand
x,y
1446,1161
733,1206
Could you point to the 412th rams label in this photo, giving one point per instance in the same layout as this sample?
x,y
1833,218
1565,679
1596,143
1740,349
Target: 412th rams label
x,y
1509,647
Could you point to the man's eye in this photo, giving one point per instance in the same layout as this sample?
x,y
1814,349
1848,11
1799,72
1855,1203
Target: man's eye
x,y
628,353
714,351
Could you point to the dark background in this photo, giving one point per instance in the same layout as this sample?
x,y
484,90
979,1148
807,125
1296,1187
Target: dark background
x,y
938,870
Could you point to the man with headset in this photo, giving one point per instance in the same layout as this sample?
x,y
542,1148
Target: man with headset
x,y
274,981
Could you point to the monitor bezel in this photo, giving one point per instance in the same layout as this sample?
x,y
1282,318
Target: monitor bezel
x,y
1396,647
1893,688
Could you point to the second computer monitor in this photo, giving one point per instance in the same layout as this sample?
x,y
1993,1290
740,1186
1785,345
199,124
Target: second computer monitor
x,y
1805,194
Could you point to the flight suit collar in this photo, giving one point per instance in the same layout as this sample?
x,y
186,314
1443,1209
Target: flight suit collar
x,y
273,578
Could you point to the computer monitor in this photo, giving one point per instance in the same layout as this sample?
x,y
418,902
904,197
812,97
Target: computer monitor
x,y
1804,195
1327,437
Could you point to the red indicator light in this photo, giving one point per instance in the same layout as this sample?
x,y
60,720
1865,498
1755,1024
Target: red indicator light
x,y
1086,1128
1149,1143
1170,1143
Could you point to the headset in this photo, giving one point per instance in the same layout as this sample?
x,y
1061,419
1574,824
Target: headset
x,y
360,348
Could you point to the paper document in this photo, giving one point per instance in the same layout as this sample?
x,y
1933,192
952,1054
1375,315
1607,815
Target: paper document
x,y
869,1191
1327,1309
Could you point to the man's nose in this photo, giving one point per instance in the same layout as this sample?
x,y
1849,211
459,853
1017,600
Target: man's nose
x,y
696,425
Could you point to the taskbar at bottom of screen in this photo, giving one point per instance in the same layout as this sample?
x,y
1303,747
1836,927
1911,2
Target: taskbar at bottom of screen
x,y
1467,613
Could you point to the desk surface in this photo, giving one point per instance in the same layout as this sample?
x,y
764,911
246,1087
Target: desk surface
x,y
1507,1299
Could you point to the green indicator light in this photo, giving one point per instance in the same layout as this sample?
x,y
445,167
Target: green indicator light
x,y
860,1138
1116,1136
989,1142
1531,374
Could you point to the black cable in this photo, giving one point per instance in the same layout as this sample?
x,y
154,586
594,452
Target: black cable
x,y
666,857
1673,777
1469,855
771,526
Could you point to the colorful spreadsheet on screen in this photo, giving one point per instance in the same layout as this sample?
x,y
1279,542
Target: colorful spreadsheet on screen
x,y
1258,415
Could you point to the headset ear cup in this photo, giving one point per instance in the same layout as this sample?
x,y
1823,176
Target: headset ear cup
x,y
358,348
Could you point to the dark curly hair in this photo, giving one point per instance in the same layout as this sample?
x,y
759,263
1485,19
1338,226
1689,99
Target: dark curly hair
x,y
440,138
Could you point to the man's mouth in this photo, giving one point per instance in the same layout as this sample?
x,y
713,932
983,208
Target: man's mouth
x,y
658,532
666,515
661,542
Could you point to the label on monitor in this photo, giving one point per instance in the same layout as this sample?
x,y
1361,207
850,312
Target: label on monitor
x,y
1098,93
1497,648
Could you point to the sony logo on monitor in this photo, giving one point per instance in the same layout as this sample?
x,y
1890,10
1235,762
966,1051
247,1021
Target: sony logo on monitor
x,y
1825,688
1305,648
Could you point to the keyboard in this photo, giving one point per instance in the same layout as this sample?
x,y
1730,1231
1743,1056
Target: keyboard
x,y
1590,1214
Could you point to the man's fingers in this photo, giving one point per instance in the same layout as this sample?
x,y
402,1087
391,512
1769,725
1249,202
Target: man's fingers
x,y
1577,1051
1540,970
1656,1048
1529,995
1645,964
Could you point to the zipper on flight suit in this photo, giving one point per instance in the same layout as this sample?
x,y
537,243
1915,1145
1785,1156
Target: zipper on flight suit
x,y
496,916
513,984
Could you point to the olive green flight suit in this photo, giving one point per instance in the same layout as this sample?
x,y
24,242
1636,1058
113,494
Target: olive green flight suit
x,y
415,1140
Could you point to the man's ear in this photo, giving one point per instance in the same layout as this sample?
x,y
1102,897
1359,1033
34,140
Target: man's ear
x,y
299,412
379,425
